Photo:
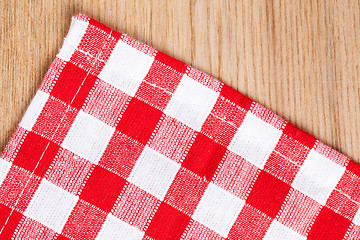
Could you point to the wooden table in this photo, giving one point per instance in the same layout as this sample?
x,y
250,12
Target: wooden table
x,y
299,58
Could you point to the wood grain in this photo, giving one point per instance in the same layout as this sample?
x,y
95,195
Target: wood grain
x,y
298,58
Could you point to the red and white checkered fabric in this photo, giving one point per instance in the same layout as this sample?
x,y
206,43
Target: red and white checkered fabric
x,y
124,142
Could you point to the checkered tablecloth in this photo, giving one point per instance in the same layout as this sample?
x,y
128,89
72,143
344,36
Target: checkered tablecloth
x,y
122,141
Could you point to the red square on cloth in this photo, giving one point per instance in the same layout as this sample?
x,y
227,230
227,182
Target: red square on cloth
x,y
329,225
88,63
349,185
97,42
153,95
236,175
197,230
102,188
69,171
292,150
163,77
122,141
281,167
168,223
171,62
55,120
186,191
204,156
250,224
236,97
298,212
18,187
9,222
73,85
139,120
340,203
121,154
36,154
299,135
172,139
222,131
106,103
268,194
135,206
84,222
31,229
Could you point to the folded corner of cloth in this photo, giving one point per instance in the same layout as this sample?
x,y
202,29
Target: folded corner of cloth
x,y
122,141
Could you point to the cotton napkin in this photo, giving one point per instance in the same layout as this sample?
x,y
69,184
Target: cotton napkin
x,y
122,141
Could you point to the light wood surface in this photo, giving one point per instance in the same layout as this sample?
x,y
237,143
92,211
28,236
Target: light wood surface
x,y
298,58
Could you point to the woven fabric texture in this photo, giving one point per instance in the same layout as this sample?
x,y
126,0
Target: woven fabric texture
x,y
122,141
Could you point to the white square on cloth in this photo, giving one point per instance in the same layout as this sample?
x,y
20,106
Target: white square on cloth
x,y
51,206
255,140
126,68
218,209
191,103
318,176
88,137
